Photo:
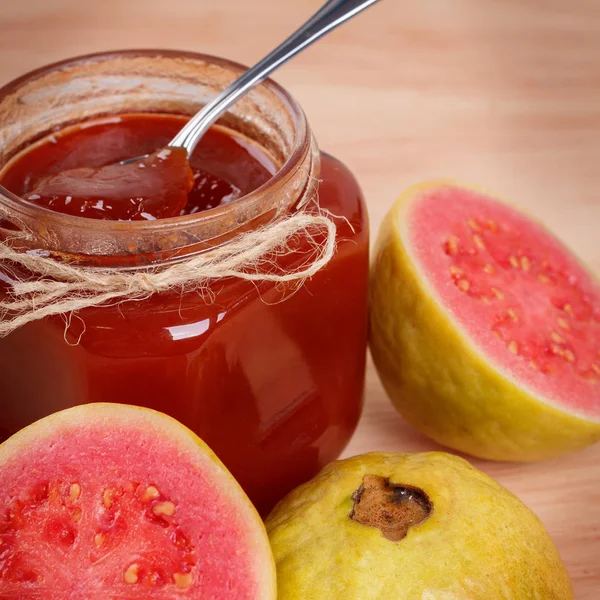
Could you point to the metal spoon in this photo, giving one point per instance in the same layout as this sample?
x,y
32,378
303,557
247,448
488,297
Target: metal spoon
x,y
332,14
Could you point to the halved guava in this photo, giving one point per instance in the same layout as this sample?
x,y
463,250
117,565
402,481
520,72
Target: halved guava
x,y
485,327
108,501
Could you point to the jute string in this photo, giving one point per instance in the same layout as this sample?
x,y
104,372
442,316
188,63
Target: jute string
x,y
55,287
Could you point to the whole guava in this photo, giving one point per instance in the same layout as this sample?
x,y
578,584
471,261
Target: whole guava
x,y
424,526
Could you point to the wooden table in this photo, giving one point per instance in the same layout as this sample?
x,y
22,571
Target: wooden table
x,y
501,93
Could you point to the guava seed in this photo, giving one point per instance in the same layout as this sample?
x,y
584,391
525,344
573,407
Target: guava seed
x,y
164,508
131,573
151,493
74,492
473,225
107,498
452,245
391,507
182,580
478,242
513,315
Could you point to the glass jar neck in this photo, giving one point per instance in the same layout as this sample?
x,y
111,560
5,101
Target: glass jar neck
x,y
89,87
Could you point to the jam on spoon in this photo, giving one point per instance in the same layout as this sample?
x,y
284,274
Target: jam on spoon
x,y
155,187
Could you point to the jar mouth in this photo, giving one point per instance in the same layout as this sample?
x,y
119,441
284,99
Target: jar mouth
x,y
248,207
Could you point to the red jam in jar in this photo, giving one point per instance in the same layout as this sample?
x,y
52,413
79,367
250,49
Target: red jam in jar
x,y
77,171
270,375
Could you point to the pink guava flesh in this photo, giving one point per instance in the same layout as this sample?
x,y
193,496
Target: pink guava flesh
x,y
522,298
100,513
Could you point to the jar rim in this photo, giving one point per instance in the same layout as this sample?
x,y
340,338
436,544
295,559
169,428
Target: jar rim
x,y
300,147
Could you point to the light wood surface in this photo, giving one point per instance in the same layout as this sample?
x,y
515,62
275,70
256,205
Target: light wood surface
x,y
503,93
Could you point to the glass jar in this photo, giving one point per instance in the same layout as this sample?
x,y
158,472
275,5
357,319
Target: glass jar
x,y
269,375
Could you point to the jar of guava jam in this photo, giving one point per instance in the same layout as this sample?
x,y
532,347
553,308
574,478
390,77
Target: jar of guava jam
x,y
269,375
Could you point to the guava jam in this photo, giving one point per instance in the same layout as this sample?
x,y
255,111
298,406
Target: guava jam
x,y
77,171
271,380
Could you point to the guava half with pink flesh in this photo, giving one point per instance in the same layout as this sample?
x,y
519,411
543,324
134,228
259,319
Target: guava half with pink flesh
x,y
108,501
485,328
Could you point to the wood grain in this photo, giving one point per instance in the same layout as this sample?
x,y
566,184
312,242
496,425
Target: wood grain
x,y
503,93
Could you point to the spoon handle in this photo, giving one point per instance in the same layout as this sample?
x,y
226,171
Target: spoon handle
x,y
331,14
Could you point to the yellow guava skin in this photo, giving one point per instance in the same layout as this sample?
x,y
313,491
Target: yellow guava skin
x,y
480,542
435,376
